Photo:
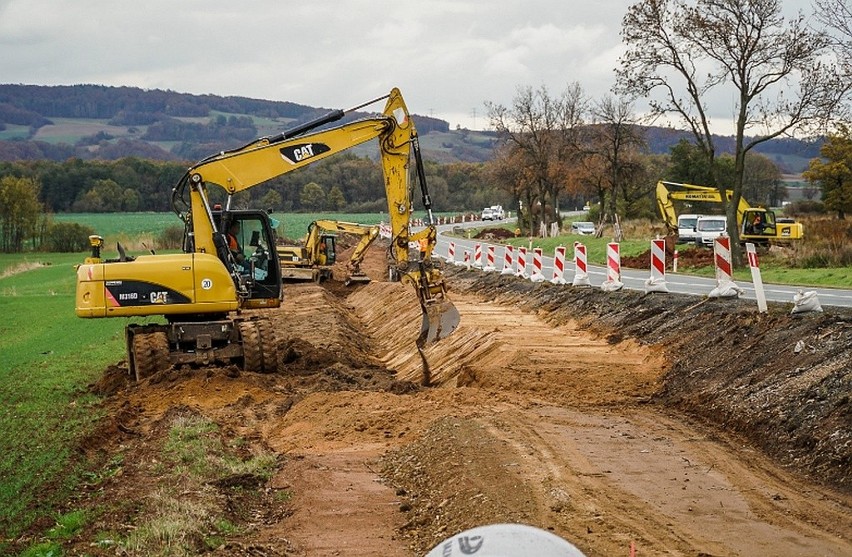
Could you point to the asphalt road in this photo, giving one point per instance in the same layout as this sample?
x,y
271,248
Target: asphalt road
x,y
635,279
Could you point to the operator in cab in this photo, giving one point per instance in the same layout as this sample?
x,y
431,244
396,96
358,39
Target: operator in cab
x,y
234,244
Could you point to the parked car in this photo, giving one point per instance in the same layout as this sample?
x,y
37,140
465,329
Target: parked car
x,y
686,232
708,228
487,214
583,228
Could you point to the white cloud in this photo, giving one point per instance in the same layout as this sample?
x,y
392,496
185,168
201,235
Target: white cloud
x,y
448,57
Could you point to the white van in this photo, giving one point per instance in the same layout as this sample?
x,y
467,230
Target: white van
x,y
710,227
686,233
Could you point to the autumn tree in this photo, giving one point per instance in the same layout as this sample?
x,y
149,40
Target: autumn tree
x,y
617,140
541,135
833,172
682,53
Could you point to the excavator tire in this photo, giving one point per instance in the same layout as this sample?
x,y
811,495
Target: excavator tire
x,y
260,352
150,354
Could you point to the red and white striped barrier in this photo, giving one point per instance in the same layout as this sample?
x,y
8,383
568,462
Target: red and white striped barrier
x,y
522,263
581,271
559,266
725,287
508,261
537,273
657,282
613,268
467,259
489,259
477,256
451,253
384,231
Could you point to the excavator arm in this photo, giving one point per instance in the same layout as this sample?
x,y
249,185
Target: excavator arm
x,y
270,157
367,233
774,230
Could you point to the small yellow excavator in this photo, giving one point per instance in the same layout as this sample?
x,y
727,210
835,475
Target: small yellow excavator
x,y
229,264
314,259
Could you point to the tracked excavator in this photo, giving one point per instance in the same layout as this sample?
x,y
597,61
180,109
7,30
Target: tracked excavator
x,y
755,224
313,260
229,266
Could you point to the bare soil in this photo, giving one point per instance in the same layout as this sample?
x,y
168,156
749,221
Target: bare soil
x,y
684,426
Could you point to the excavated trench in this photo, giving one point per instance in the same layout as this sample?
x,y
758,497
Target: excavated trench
x,y
610,420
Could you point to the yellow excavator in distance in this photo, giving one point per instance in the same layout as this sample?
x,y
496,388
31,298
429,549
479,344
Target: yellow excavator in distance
x,y
762,232
229,264
314,259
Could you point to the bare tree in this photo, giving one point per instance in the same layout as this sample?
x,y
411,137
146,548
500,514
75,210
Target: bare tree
x,y
680,53
541,131
836,17
617,141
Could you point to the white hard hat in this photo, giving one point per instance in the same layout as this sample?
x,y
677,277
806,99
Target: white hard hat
x,y
505,540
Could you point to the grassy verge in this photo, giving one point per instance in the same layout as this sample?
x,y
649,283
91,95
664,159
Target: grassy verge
x,y
774,269
48,358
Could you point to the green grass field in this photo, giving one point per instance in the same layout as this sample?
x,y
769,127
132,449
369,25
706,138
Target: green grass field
x,y
48,358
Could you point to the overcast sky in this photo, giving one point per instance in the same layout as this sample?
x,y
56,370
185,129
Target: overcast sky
x,y
448,57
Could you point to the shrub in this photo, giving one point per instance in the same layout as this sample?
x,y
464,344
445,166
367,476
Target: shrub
x,y
171,238
68,237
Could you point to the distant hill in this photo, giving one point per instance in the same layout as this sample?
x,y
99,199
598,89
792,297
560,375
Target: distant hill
x,y
100,122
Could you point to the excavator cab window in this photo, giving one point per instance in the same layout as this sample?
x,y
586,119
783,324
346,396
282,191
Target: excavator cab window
x,y
249,236
327,249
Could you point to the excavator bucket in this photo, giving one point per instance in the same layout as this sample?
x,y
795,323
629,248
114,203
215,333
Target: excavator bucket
x,y
356,278
440,319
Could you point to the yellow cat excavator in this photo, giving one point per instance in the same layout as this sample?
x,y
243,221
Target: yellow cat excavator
x,y
229,263
313,260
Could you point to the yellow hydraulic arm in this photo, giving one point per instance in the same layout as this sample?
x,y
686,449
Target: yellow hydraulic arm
x,y
368,234
270,157
745,212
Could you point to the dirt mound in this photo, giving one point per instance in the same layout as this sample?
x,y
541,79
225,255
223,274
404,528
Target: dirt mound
x,y
687,258
608,418
494,233
782,381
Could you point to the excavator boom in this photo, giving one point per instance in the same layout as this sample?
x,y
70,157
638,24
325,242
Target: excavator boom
x,y
229,261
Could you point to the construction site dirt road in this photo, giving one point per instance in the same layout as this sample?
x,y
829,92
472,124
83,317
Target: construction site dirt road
x,y
682,426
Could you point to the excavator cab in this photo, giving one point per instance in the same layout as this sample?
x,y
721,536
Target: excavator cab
x,y
249,240
327,249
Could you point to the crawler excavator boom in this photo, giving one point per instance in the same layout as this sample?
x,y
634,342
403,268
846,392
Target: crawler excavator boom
x,y
203,293
770,231
313,260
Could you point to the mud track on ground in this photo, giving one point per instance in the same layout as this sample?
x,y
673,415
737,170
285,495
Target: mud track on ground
x,y
684,426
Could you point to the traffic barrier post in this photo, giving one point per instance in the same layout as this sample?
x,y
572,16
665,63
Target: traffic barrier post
x,y
756,279
657,281
559,266
477,256
489,259
581,273
613,268
537,273
725,286
508,261
522,263
451,253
